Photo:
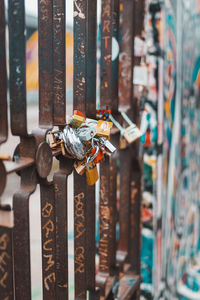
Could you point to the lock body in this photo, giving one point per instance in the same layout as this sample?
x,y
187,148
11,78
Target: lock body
x,y
92,175
132,133
77,120
80,166
122,143
103,129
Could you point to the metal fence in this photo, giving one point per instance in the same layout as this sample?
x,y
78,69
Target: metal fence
x,y
118,273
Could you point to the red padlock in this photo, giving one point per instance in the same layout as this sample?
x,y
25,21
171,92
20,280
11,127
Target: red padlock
x,y
79,113
100,156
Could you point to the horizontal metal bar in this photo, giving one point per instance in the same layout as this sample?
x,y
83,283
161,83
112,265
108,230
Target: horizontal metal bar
x,y
23,163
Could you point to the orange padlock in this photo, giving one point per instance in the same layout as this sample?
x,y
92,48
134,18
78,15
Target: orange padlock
x,y
79,113
99,157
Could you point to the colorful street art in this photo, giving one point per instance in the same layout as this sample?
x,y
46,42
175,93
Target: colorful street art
x,y
173,240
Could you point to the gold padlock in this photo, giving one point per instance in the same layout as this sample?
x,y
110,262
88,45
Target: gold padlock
x,y
122,143
103,128
91,173
77,120
80,166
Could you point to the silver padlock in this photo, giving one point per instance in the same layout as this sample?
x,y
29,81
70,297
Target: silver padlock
x,y
85,134
131,133
109,147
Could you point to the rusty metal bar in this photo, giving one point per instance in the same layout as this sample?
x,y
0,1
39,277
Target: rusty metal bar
x,y
59,61
136,172
21,243
84,100
17,60
47,22
124,217
106,52
105,88
3,76
91,59
115,60
60,187
6,253
126,53
80,189
108,170
91,112
48,240
134,239
125,98
46,84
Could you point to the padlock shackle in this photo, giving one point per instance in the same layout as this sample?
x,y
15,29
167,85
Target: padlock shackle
x,y
116,123
126,118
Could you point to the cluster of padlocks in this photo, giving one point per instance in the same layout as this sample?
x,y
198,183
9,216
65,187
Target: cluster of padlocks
x,y
87,140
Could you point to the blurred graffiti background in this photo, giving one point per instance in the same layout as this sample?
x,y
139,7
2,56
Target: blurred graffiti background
x,y
171,225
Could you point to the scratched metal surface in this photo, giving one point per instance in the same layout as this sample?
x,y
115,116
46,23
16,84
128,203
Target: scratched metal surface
x,y
34,157
105,235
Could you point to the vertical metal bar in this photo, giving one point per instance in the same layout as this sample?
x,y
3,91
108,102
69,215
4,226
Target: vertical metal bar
x,y
46,84
114,137
108,171
113,202
17,62
60,177
80,198
91,112
48,240
21,243
134,241
126,99
139,17
60,187
6,254
80,191
134,246
3,78
124,213
91,59
126,53
105,93
106,52
105,220
80,54
115,56
47,87
59,61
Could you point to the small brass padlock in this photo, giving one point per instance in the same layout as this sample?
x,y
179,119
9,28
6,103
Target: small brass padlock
x,y
80,166
91,173
77,120
122,143
103,128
